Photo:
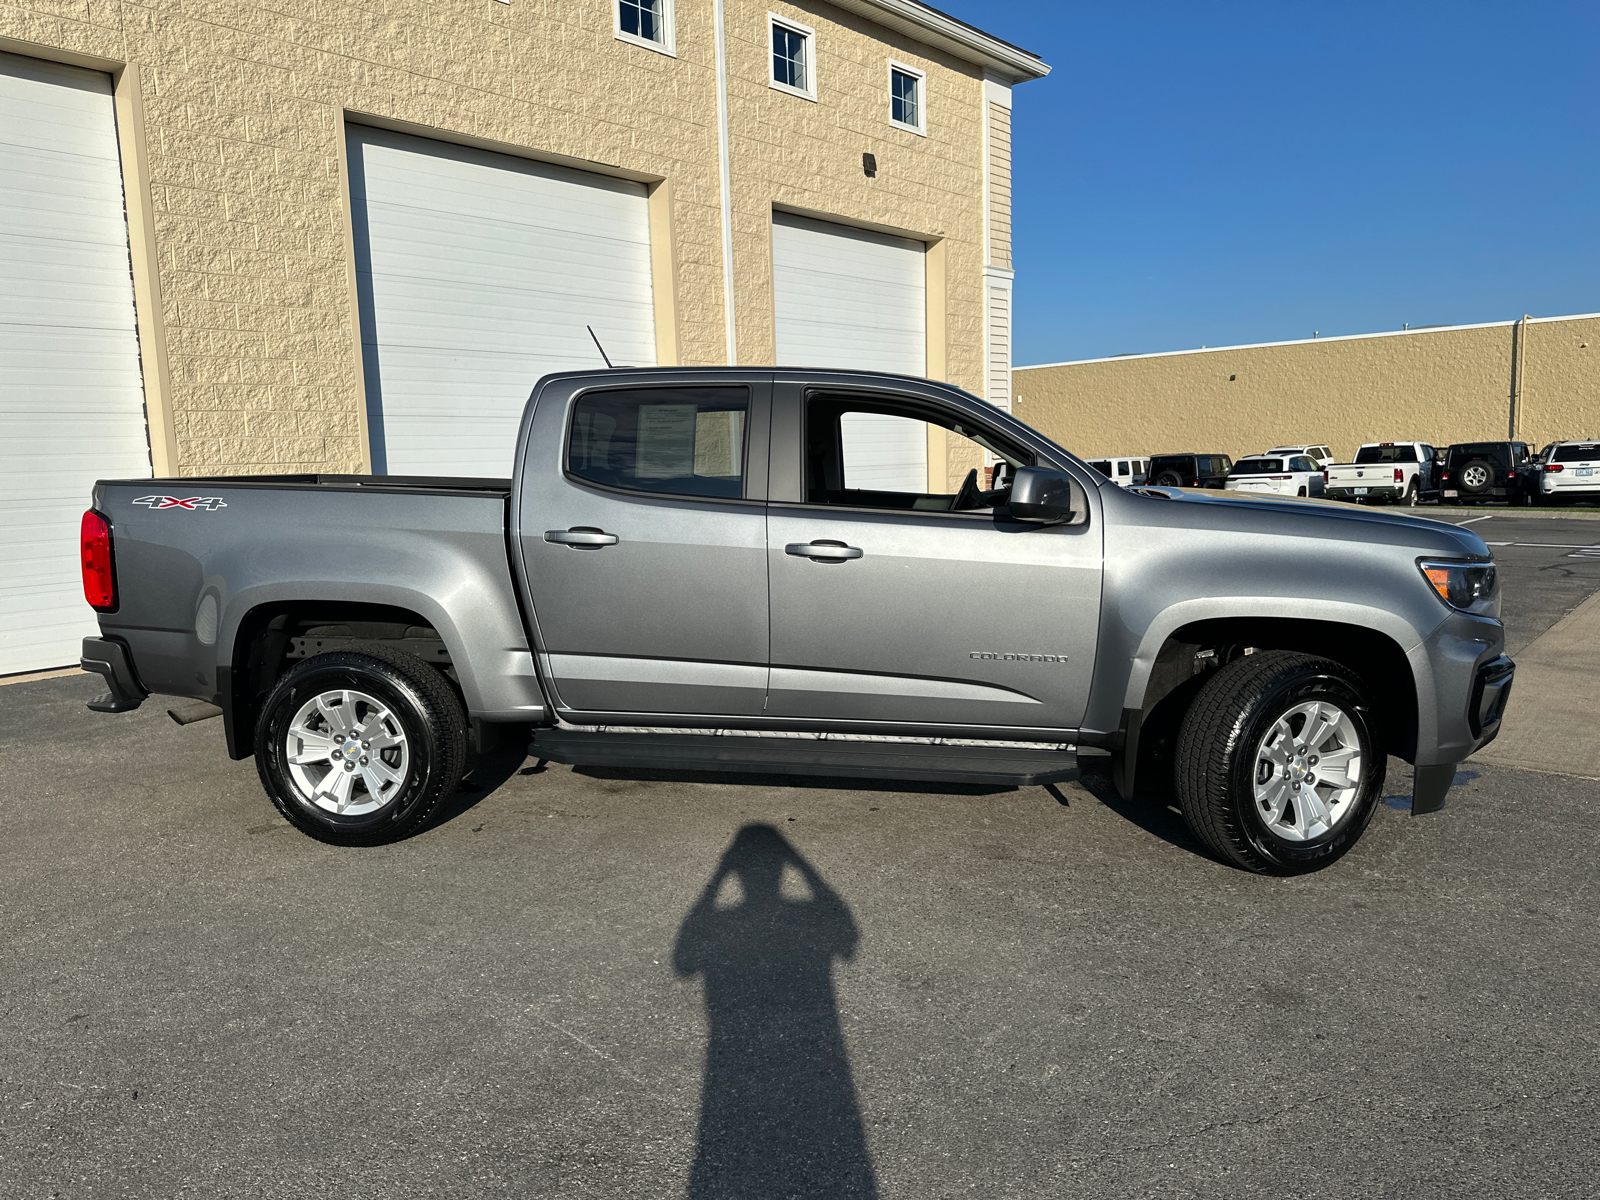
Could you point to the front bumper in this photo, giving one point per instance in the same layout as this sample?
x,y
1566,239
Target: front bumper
x,y
109,659
1491,691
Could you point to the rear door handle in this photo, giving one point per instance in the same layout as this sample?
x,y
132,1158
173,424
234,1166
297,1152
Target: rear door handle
x,y
581,537
823,551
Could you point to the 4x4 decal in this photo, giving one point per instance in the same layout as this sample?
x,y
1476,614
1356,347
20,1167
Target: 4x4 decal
x,y
209,503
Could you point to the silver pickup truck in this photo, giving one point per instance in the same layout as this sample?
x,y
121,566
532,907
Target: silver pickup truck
x,y
724,569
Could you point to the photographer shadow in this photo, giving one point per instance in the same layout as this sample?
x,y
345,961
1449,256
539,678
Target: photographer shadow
x,y
779,1114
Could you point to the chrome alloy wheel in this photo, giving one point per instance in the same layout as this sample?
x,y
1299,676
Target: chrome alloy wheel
x,y
347,753
1308,771
1475,476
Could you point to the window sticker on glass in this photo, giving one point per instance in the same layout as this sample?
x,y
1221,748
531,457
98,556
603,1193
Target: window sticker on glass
x,y
665,442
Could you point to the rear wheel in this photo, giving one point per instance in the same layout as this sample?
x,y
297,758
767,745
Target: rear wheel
x,y
1278,770
359,747
1410,500
1169,479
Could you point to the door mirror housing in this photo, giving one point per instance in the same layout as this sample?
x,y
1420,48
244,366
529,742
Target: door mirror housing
x,y
1045,496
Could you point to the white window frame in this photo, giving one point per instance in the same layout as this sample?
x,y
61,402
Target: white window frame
x,y
774,21
669,41
921,127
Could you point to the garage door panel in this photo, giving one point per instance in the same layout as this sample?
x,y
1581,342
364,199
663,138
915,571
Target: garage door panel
x,y
71,397
478,274
856,300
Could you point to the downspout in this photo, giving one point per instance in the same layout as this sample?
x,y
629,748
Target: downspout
x,y
1519,356
727,184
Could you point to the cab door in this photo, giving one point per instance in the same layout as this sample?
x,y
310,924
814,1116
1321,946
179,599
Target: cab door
x,y
892,605
642,530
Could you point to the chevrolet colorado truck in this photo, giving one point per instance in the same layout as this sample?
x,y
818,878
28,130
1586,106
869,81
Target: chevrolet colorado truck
x,y
721,569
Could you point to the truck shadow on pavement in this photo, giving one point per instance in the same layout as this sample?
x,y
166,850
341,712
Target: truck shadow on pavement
x,y
778,1113
1155,814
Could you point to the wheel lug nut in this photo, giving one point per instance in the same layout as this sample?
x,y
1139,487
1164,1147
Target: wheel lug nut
x,y
350,766
336,754
363,760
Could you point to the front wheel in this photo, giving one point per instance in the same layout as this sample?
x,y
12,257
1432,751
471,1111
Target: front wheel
x,y
359,747
1278,770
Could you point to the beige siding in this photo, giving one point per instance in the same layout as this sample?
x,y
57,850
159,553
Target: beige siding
x,y
999,185
999,381
1443,386
243,112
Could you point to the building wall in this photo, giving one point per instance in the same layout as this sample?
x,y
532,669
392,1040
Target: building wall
x,y
1438,385
248,269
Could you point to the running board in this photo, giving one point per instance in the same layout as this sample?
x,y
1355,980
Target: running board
x,y
1019,766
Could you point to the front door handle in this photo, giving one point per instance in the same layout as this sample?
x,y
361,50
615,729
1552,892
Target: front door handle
x,y
823,551
581,537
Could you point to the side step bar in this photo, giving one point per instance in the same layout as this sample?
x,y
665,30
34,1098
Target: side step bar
x,y
1019,766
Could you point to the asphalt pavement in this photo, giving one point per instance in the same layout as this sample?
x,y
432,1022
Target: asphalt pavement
x,y
618,984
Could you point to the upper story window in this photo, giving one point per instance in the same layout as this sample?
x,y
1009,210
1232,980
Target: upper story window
x,y
646,23
793,57
907,108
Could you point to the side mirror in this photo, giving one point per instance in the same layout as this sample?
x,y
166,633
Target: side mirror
x,y
1045,496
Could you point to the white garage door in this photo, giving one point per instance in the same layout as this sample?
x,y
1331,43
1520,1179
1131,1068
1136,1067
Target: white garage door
x,y
71,397
856,300
477,274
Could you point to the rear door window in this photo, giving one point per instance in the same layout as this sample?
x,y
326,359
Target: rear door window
x,y
671,441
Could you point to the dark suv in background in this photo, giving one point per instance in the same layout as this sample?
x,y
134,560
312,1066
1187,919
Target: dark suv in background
x,y
1189,470
1477,472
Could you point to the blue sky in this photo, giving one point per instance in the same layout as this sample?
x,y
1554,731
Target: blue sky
x,y
1216,173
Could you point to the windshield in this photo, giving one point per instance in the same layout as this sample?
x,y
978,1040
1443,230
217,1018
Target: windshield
x,y
1383,454
1578,452
1258,466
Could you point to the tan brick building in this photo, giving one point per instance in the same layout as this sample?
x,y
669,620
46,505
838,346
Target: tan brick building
x,y
358,231
1536,380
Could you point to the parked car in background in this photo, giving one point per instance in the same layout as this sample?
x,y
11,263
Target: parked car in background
x,y
1190,470
1478,472
1386,471
1125,472
1320,455
1282,475
1571,471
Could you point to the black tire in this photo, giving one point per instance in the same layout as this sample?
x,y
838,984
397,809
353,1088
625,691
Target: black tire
x,y
1466,472
1301,493
1411,496
418,699
1215,767
1169,479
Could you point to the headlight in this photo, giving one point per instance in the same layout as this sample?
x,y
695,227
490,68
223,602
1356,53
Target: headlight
x,y
1467,587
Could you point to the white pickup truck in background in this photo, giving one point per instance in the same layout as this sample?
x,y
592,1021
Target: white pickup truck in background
x,y
1386,471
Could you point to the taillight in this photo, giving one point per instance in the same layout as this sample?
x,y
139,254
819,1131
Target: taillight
x,y
1444,474
1324,477
1399,475
1555,467
1511,474
99,582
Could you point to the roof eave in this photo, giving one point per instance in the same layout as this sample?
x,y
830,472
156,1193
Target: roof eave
x,y
934,28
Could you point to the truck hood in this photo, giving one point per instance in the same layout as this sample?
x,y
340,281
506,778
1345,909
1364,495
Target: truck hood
x,y
1329,519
